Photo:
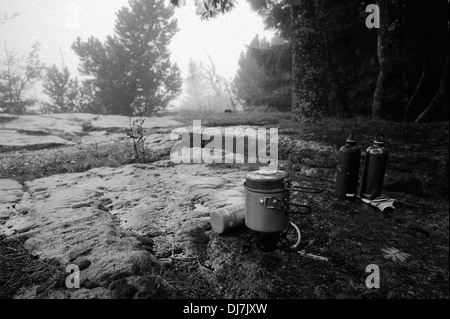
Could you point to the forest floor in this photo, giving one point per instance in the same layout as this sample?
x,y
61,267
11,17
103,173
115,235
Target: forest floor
x,y
350,234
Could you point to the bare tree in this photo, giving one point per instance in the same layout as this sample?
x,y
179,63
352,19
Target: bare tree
x,y
218,83
215,81
18,75
5,16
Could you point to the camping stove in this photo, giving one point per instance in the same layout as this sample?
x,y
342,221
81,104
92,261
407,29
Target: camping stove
x,y
269,242
267,210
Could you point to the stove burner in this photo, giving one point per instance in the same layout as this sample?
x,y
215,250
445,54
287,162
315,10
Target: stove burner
x,y
265,242
268,242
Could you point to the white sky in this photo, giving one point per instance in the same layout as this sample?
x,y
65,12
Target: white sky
x,y
55,24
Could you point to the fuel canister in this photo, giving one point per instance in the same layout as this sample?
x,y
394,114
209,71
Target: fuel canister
x,y
227,218
348,169
375,164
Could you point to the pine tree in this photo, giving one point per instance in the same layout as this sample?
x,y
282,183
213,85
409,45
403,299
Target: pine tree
x,y
250,76
62,90
263,76
133,66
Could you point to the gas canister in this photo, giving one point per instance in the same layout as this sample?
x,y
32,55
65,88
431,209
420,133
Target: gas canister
x,y
348,169
375,164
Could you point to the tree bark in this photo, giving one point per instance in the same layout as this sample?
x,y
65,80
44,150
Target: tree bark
x,y
309,78
439,97
383,61
339,96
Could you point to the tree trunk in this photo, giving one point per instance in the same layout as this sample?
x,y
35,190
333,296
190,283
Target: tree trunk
x,y
309,78
378,95
339,96
388,95
439,97
383,61
415,95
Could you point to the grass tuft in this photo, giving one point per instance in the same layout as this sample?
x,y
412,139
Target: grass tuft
x,y
19,268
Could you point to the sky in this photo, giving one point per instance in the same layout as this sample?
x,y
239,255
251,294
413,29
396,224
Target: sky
x,y
55,24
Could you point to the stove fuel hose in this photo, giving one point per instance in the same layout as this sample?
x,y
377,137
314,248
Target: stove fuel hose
x,y
299,236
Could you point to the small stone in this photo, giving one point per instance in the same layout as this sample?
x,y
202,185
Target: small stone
x,y
84,263
89,284
144,240
122,290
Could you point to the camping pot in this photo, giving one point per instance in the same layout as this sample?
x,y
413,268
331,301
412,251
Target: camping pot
x,y
267,201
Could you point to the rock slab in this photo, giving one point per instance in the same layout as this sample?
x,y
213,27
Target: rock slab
x,y
120,221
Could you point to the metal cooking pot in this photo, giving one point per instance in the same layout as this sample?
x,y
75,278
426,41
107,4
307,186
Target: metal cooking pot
x,y
267,201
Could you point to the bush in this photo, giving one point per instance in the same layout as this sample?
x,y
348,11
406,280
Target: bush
x,y
87,126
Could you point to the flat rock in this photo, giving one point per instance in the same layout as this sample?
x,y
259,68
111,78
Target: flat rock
x,y
99,138
44,122
10,194
107,121
99,215
12,140
10,191
72,122
4,117
161,143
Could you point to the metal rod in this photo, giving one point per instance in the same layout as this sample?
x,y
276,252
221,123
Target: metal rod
x,y
316,257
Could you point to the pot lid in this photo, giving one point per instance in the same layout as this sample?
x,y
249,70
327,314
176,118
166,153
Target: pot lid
x,y
265,179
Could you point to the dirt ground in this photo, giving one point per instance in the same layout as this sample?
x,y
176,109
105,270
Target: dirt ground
x,y
350,234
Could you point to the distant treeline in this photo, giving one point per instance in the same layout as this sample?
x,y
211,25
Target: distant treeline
x,y
325,60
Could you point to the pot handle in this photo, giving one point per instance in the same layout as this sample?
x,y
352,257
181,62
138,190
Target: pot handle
x,y
283,204
274,203
288,185
305,189
299,211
